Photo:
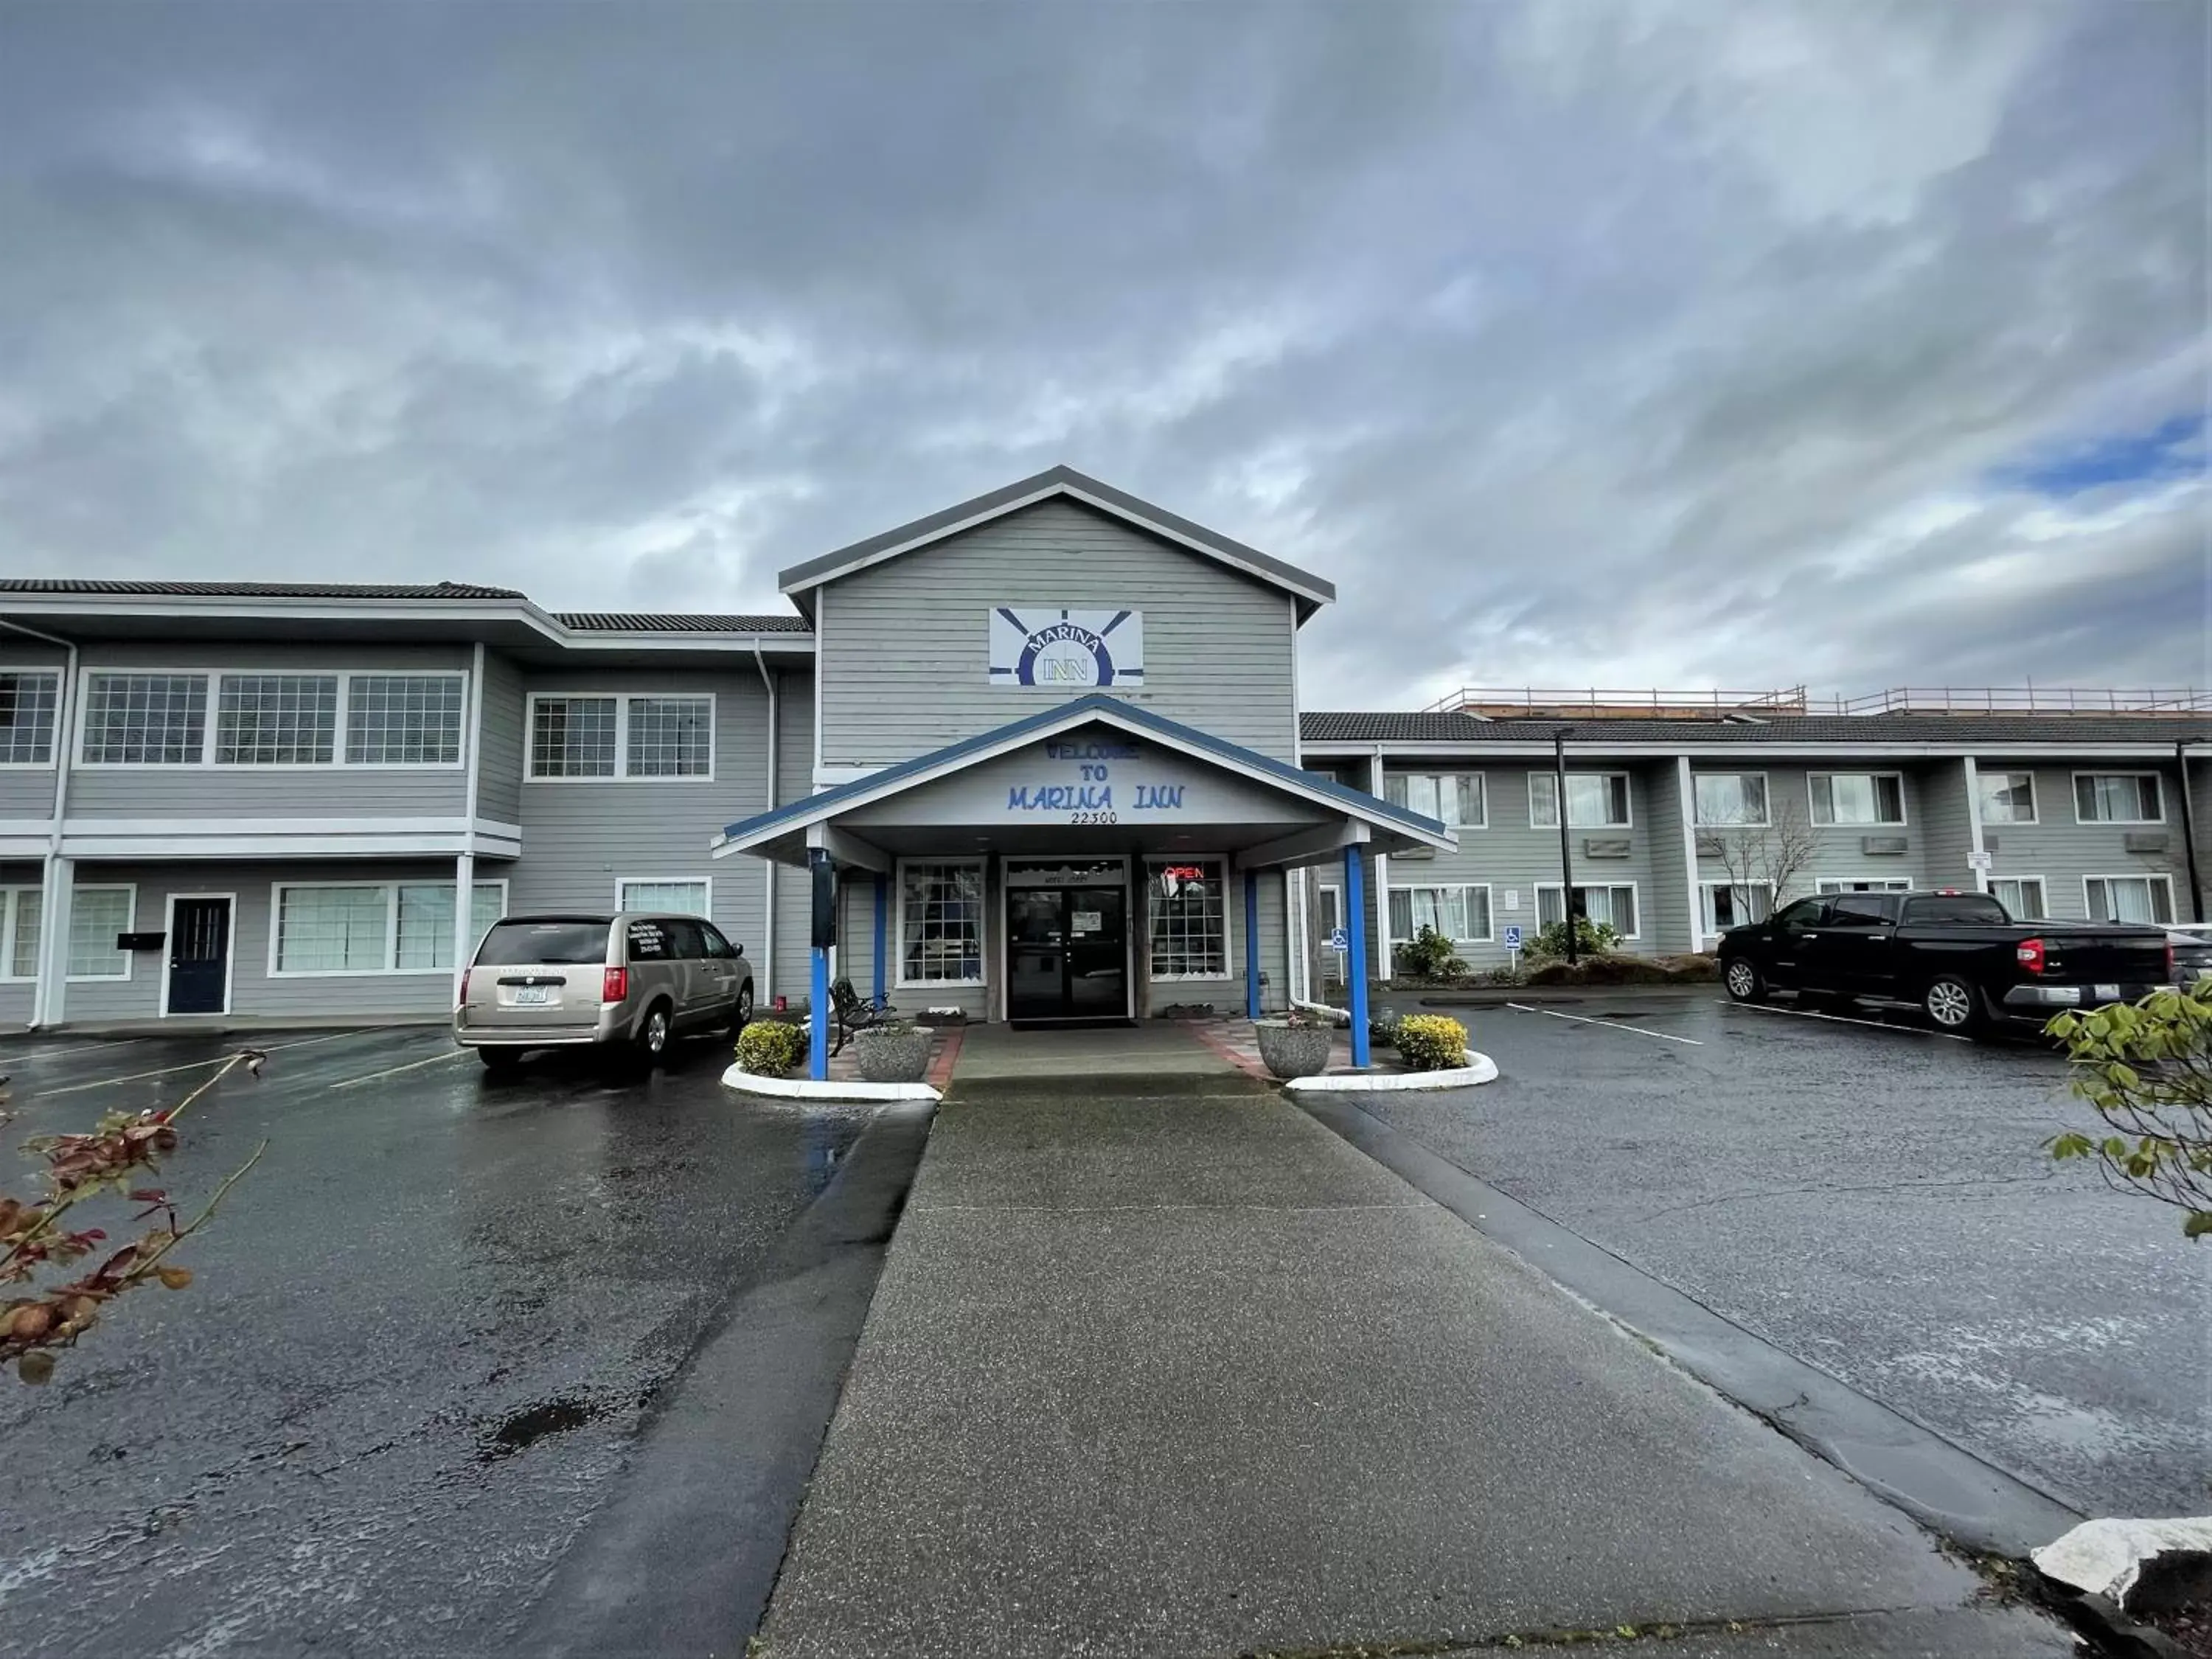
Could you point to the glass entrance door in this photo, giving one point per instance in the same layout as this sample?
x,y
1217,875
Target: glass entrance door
x,y
1067,953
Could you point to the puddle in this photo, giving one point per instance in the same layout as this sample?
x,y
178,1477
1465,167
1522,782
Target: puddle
x,y
519,1431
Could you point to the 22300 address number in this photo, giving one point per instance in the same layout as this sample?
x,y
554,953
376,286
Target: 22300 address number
x,y
1093,817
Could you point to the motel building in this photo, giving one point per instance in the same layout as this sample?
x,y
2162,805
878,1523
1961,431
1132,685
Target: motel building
x,y
1039,757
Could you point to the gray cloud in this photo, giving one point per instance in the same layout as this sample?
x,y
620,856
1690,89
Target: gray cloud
x,y
1617,343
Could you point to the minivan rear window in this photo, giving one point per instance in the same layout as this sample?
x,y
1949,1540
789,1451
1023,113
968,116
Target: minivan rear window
x,y
1974,907
522,944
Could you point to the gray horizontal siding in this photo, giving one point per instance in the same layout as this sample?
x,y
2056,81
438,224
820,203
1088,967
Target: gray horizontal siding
x,y
28,792
1838,850
794,768
1946,829
905,645
500,754
2063,852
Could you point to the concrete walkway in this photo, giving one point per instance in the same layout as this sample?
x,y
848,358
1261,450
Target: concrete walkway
x,y
1176,1372
1157,1048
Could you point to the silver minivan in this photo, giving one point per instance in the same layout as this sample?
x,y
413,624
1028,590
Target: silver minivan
x,y
633,980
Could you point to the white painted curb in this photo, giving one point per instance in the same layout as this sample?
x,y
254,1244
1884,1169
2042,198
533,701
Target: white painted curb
x,y
1480,1068
805,1088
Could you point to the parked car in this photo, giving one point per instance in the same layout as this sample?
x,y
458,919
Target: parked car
x,y
632,981
1958,955
2192,952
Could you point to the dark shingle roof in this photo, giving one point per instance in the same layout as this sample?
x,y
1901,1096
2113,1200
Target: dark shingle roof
x,y
677,621
258,590
1394,727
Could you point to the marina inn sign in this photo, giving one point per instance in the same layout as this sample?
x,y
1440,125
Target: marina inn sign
x,y
1089,797
1049,646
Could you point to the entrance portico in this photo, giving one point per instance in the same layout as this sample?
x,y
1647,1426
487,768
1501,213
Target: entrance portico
x,y
1093,862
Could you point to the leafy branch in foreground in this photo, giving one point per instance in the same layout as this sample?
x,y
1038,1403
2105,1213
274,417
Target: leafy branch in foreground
x,y
40,1235
2147,1067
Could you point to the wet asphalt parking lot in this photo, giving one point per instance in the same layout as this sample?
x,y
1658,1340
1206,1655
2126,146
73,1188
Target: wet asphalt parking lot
x,y
1872,1198
421,1336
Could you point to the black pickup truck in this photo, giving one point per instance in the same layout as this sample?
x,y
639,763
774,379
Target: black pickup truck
x,y
1955,955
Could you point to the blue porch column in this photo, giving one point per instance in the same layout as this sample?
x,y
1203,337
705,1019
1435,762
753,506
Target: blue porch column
x,y
1252,945
883,927
1355,966
818,988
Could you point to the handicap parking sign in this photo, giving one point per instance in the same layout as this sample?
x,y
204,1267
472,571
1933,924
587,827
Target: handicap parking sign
x,y
1337,940
1512,938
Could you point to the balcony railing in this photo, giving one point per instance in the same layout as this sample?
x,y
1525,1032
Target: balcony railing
x,y
1527,703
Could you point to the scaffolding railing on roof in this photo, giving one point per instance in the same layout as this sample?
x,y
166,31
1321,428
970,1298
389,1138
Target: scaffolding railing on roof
x,y
1526,702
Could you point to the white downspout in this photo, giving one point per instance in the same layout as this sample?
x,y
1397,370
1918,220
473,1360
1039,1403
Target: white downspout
x,y
764,995
465,867
1685,789
47,989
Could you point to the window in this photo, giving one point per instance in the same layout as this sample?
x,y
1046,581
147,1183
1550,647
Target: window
x,y
2129,898
1332,909
1805,913
941,923
27,718
1187,919
426,922
97,914
622,736
1726,904
1863,884
1595,801
19,918
2117,798
403,720
276,719
1857,796
2022,896
374,926
1976,909
1455,797
671,737
145,719
1615,905
2007,797
1730,798
1461,914
572,736
685,898
1863,910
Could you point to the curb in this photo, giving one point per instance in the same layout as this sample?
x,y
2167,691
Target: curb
x,y
800,1088
1480,1068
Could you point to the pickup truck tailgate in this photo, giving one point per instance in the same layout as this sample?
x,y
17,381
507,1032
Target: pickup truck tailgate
x,y
2088,956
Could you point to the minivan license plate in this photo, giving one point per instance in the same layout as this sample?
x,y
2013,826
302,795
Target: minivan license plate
x,y
534,993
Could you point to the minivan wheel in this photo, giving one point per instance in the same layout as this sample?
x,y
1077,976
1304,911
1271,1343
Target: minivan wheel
x,y
741,1015
1744,981
1951,1005
652,1040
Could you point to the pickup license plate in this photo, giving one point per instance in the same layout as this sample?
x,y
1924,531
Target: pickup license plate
x,y
2105,993
529,993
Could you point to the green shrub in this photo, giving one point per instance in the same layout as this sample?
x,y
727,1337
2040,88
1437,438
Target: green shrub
x,y
769,1048
1427,955
1592,938
1382,1028
2147,1067
1430,1042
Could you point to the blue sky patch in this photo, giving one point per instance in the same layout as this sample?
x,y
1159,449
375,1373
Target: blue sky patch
x,y
2172,449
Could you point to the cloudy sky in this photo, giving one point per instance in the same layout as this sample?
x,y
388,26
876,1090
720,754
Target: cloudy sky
x,y
1586,341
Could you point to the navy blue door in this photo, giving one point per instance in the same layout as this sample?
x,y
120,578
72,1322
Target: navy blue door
x,y
199,955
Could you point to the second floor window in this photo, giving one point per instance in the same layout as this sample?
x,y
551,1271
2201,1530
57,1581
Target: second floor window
x,y
276,719
2117,798
1595,801
622,736
27,718
145,719
1855,797
403,720
1730,798
1453,796
216,718
2007,798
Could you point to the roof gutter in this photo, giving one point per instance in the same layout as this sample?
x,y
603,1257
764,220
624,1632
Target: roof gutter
x,y
47,908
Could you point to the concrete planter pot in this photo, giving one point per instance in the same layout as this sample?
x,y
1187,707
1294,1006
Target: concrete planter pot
x,y
1289,1050
892,1053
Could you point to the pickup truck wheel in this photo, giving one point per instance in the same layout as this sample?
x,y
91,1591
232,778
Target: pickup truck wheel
x,y
1951,1004
1743,981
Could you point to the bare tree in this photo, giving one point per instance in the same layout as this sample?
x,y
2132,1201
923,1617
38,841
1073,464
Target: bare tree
x,y
1773,854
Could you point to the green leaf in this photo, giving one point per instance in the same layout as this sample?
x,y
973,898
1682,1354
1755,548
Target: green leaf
x,y
2198,1223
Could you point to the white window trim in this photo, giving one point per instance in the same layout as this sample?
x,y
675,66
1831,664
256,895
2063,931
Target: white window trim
x,y
1482,788
391,969
1230,907
1489,902
1877,883
1767,788
54,742
1634,888
9,901
80,721
2074,788
130,925
2042,881
2158,875
2034,799
707,882
1627,797
229,949
1708,884
895,944
621,702
1817,824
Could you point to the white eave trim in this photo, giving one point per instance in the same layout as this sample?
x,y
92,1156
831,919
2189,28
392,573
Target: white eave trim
x,y
1598,749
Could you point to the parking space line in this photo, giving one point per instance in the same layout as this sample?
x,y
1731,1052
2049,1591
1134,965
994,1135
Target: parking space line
x,y
1610,1024
1840,1019
81,1048
190,1065
393,1071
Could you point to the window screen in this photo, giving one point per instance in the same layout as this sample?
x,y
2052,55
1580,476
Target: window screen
x,y
403,720
145,719
276,719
